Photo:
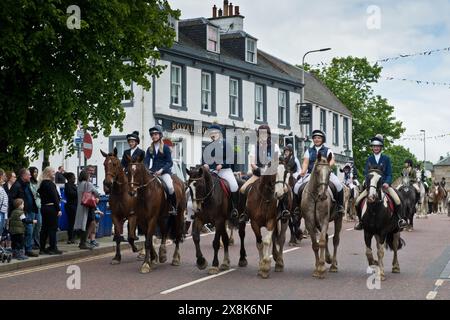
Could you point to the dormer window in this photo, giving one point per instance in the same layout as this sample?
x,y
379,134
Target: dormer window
x,y
213,41
173,23
250,45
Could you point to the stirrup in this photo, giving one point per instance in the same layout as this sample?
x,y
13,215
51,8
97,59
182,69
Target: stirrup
x,y
358,226
285,214
243,218
234,214
173,211
402,223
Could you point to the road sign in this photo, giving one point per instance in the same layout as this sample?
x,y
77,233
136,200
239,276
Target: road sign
x,y
87,145
306,113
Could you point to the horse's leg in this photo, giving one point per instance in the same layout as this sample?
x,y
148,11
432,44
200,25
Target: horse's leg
x,y
179,225
380,254
336,240
132,232
226,258
162,248
259,244
146,265
118,257
278,244
230,237
310,227
243,254
323,247
369,253
196,229
395,264
220,228
327,251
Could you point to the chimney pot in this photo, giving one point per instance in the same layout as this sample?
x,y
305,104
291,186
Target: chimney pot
x,y
225,7
236,11
214,11
230,9
220,12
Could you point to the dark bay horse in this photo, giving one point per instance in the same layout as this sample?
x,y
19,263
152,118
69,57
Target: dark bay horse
x,y
121,203
438,196
407,194
262,206
318,210
295,217
212,205
379,221
152,210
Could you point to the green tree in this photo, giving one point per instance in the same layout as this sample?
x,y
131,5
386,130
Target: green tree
x,y
55,77
398,155
351,80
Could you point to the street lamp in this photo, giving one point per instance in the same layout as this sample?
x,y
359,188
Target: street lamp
x,y
424,147
348,152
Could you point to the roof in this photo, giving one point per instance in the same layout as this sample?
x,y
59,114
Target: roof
x,y
315,90
443,162
236,34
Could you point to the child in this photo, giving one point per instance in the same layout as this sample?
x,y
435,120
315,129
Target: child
x,y
96,214
17,229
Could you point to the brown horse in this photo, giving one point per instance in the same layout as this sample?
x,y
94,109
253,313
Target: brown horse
x,y
152,210
438,196
121,203
262,206
210,205
318,211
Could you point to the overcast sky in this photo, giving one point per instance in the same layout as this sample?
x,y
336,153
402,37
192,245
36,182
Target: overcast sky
x,y
289,28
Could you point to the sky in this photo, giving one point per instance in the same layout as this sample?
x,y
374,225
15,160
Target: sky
x,y
372,29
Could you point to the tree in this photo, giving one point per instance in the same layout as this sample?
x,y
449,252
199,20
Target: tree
x,y
351,80
55,77
398,155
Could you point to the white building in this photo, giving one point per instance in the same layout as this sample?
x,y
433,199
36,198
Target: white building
x,y
215,73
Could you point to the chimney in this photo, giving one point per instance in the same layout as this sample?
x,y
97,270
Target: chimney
x,y
230,9
214,11
236,11
225,8
220,12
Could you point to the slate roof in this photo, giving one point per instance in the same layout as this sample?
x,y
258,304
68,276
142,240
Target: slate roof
x,y
443,162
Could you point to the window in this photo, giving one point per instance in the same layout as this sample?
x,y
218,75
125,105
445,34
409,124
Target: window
x,y
127,98
206,92
173,23
323,120
234,97
251,50
175,89
346,133
282,107
213,43
121,145
335,129
259,103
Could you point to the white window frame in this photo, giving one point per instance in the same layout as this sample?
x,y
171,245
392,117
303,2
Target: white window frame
x,y
259,104
335,129
173,23
234,96
323,120
206,91
209,31
282,109
346,129
119,151
249,52
177,85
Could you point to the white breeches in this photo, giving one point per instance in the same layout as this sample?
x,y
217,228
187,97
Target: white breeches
x,y
333,178
228,175
168,181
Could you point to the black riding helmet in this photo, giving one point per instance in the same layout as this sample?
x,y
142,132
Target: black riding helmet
x,y
409,162
319,133
134,136
156,129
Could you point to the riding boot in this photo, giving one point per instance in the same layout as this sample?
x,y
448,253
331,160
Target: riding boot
x,y
296,205
401,221
359,225
243,217
173,204
235,204
340,202
284,213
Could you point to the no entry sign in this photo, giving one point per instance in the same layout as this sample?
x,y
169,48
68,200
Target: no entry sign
x,y
87,145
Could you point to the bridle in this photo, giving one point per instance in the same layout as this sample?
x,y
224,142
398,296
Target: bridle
x,y
141,186
201,200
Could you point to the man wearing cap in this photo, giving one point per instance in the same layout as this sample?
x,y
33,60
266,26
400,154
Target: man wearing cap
x,y
134,152
384,162
158,159
309,160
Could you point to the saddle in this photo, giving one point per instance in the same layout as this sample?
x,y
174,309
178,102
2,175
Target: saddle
x,y
224,186
387,197
331,190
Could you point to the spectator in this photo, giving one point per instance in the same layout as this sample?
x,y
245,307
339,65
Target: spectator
x,y
37,227
85,218
10,180
59,177
17,229
3,202
21,190
70,190
51,211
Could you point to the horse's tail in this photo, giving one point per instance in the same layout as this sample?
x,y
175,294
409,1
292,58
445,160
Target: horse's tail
x,y
390,242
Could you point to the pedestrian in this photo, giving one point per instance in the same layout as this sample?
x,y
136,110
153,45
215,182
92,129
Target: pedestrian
x,y
34,185
51,211
11,178
17,225
4,202
70,190
21,190
84,216
59,177
96,215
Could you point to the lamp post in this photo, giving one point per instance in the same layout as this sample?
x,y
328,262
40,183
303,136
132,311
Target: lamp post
x,y
424,147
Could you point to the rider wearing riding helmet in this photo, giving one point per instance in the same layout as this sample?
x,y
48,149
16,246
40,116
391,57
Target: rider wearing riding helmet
x,y
218,163
350,175
309,160
260,155
158,159
134,152
384,162
409,170
291,161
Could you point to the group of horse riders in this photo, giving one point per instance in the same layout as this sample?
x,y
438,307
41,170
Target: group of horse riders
x,y
158,160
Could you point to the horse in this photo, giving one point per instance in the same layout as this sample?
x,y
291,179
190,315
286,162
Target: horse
x,y
378,221
421,207
263,208
318,211
437,195
295,218
152,210
350,196
407,194
121,203
211,204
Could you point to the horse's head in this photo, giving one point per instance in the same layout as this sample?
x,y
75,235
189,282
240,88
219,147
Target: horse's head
x,y
374,185
321,174
136,174
112,168
406,180
282,181
197,186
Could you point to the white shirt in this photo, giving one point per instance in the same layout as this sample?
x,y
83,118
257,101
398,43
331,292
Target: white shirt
x,y
133,150
156,147
377,157
306,156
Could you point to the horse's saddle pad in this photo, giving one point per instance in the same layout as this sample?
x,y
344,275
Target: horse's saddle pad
x,y
225,187
386,197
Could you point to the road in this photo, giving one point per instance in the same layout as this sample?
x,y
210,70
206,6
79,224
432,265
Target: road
x,y
423,261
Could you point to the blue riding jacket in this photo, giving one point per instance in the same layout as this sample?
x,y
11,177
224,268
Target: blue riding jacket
x,y
313,156
161,160
384,163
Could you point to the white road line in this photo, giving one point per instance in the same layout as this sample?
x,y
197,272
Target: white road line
x,y
196,281
431,295
288,250
202,235
351,229
439,283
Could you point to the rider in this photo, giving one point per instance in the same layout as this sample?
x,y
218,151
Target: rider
x,y
158,159
309,159
383,161
260,155
219,165
409,170
134,152
291,161
350,177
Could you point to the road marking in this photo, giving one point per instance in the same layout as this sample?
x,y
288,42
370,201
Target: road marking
x,y
350,229
196,281
202,235
439,283
288,250
431,295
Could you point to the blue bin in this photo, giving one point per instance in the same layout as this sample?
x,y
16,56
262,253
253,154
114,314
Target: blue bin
x,y
63,222
105,224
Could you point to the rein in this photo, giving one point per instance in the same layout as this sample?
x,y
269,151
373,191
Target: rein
x,y
201,200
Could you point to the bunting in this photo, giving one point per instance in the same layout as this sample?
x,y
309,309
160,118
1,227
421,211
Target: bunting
x,y
418,138
421,82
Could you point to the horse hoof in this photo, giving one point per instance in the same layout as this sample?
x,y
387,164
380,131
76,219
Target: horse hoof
x,y
243,263
316,274
202,263
279,268
176,263
383,278
263,274
333,269
396,270
145,268
140,257
224,267
162,259
115,261
231,242
328,260
213,270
